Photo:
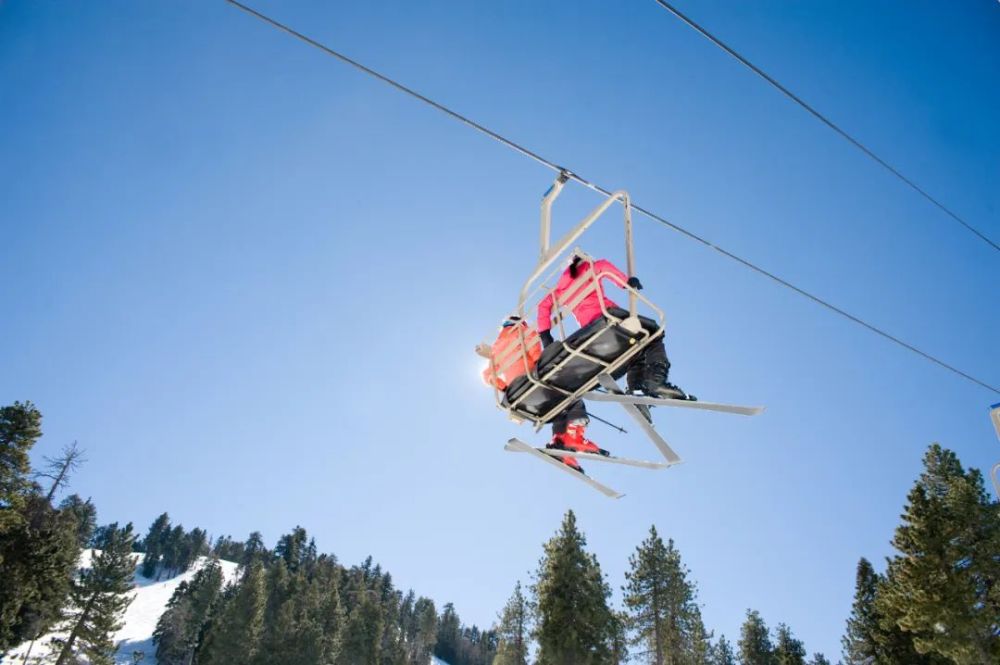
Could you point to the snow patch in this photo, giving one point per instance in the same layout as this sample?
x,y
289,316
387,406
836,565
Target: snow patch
x,y
150,599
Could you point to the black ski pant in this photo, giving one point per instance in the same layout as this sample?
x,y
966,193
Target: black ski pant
x,y
651,365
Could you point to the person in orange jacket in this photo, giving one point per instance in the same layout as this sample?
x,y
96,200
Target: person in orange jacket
x,y
507,357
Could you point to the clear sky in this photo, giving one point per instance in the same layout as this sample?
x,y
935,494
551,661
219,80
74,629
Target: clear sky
x,y
248,280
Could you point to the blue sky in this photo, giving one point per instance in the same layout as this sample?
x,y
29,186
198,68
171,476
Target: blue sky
x,y
248,280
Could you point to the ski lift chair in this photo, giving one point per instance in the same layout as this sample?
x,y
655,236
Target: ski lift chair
x,y
569,367
572,366
584,363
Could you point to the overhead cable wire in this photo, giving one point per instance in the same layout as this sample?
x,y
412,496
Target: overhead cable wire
x,y
826,121
601,190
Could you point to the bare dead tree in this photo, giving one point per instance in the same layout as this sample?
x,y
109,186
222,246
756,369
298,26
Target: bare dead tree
x,y
60,469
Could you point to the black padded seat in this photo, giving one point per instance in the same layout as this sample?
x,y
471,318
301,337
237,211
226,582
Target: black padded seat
x,y
607,342
539,401
601,339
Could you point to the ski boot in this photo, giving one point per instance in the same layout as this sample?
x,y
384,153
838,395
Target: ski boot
x,y
655,384
667,390
573,439
557,444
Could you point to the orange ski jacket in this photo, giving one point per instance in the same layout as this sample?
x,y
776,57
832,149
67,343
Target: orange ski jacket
x,y
508,357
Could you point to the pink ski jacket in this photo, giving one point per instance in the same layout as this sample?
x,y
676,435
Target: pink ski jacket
x,y
589,308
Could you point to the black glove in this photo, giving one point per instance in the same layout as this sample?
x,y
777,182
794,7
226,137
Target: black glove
x,y
635,283
546,337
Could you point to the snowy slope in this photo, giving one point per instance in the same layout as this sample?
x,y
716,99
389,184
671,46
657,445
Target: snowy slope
x,y
150,601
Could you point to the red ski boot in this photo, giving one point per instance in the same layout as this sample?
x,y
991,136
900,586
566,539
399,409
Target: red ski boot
x,y
560,442
573,440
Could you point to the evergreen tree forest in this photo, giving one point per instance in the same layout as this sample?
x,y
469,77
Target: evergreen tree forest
x,y
936,601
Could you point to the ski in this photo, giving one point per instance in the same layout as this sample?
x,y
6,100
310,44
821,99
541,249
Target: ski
x,y
621,398
609,459
614,390
516,445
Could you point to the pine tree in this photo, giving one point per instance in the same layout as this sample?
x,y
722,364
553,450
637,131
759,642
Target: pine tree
x,y
755,641
254,551
180,629
619,639
234,634
293,620
85,514
514,630
282,616
332,619
171,636
20,427
37,559
362,638
819,659
195,545
871,639
861,641
575,626
425,636
392,650
98,601
700,641
722,652
944,586
293,548
448,634
228,549
153,545
174,551
408,621
788,650
664,615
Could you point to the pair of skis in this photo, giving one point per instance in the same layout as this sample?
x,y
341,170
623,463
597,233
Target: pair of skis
x,y
631,404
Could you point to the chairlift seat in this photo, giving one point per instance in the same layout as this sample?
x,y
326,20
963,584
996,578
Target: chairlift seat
x,y
602,340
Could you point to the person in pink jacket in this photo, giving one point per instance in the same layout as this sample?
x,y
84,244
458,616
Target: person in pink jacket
x,y
575,278
648,372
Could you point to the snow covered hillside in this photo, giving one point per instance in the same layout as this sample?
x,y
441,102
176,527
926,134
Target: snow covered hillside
x,y
136,635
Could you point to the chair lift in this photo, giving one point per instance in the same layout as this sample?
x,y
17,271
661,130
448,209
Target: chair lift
x,y
995,471
586,363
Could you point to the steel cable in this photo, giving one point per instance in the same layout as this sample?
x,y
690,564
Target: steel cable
x,y
601,190
826,121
